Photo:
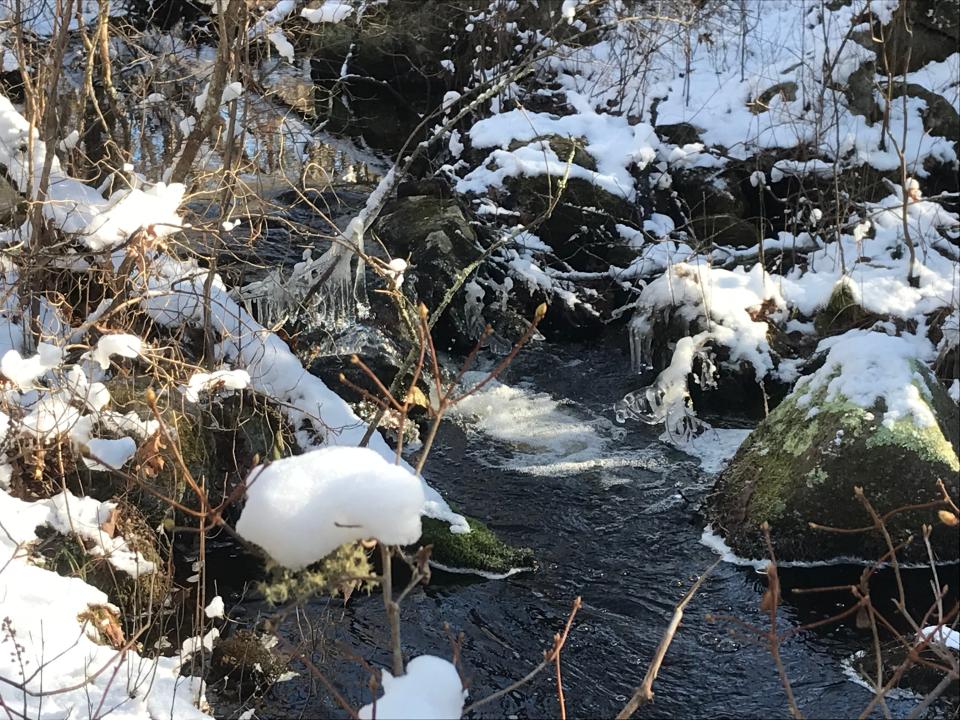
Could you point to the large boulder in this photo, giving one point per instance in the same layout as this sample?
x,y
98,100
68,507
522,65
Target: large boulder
x,y
804,461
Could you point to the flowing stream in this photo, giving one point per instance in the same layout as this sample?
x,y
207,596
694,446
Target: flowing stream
x,y
612,514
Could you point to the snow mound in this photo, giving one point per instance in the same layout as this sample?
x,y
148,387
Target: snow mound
x,y
609,139
431,689
937,633
300,509
863,367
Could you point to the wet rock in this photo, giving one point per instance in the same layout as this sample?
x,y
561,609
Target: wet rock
x,y
804,460
581,226
679,133
479,551
438,242
786,90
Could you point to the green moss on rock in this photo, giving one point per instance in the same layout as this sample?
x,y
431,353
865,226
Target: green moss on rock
x,y
479,550
927,442
801,466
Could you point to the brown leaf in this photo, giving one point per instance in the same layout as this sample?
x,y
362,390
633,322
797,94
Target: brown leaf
x,y
109,526
416,397
948,518
149,458
106,623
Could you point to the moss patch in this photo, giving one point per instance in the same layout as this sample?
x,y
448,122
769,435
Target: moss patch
x,y
479,550
345,569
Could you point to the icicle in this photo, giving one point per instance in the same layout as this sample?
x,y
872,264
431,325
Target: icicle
x,y
641,343
667,400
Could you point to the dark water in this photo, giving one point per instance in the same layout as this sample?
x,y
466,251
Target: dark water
x,y
625,537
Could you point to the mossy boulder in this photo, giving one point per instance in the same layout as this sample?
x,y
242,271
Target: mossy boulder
x,y
217,441
802,465
480,551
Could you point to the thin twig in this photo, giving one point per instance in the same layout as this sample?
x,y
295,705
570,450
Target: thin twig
x,y
644,694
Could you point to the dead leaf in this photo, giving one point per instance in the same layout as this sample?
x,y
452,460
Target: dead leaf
x,y
417,397
948,518
106,623
109,526
149,458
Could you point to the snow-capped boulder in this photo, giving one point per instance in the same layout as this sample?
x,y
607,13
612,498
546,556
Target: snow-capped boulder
x,y
872,416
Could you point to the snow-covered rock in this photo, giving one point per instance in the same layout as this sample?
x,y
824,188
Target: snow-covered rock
x,y
872,416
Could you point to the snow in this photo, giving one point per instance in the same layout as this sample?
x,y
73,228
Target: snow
x,y
107,454
864,367
302,508
715,447
232,91
121,344
569,9
223,379
281,43
41,607
430,689
329,11
615,145
321,416
720,299
215,608
944,635
23,372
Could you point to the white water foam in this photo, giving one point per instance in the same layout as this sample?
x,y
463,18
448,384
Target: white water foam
x,y
535,425
716,543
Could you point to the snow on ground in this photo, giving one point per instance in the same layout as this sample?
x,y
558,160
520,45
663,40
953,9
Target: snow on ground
x,y
715,74
430,689
300,509
54,657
